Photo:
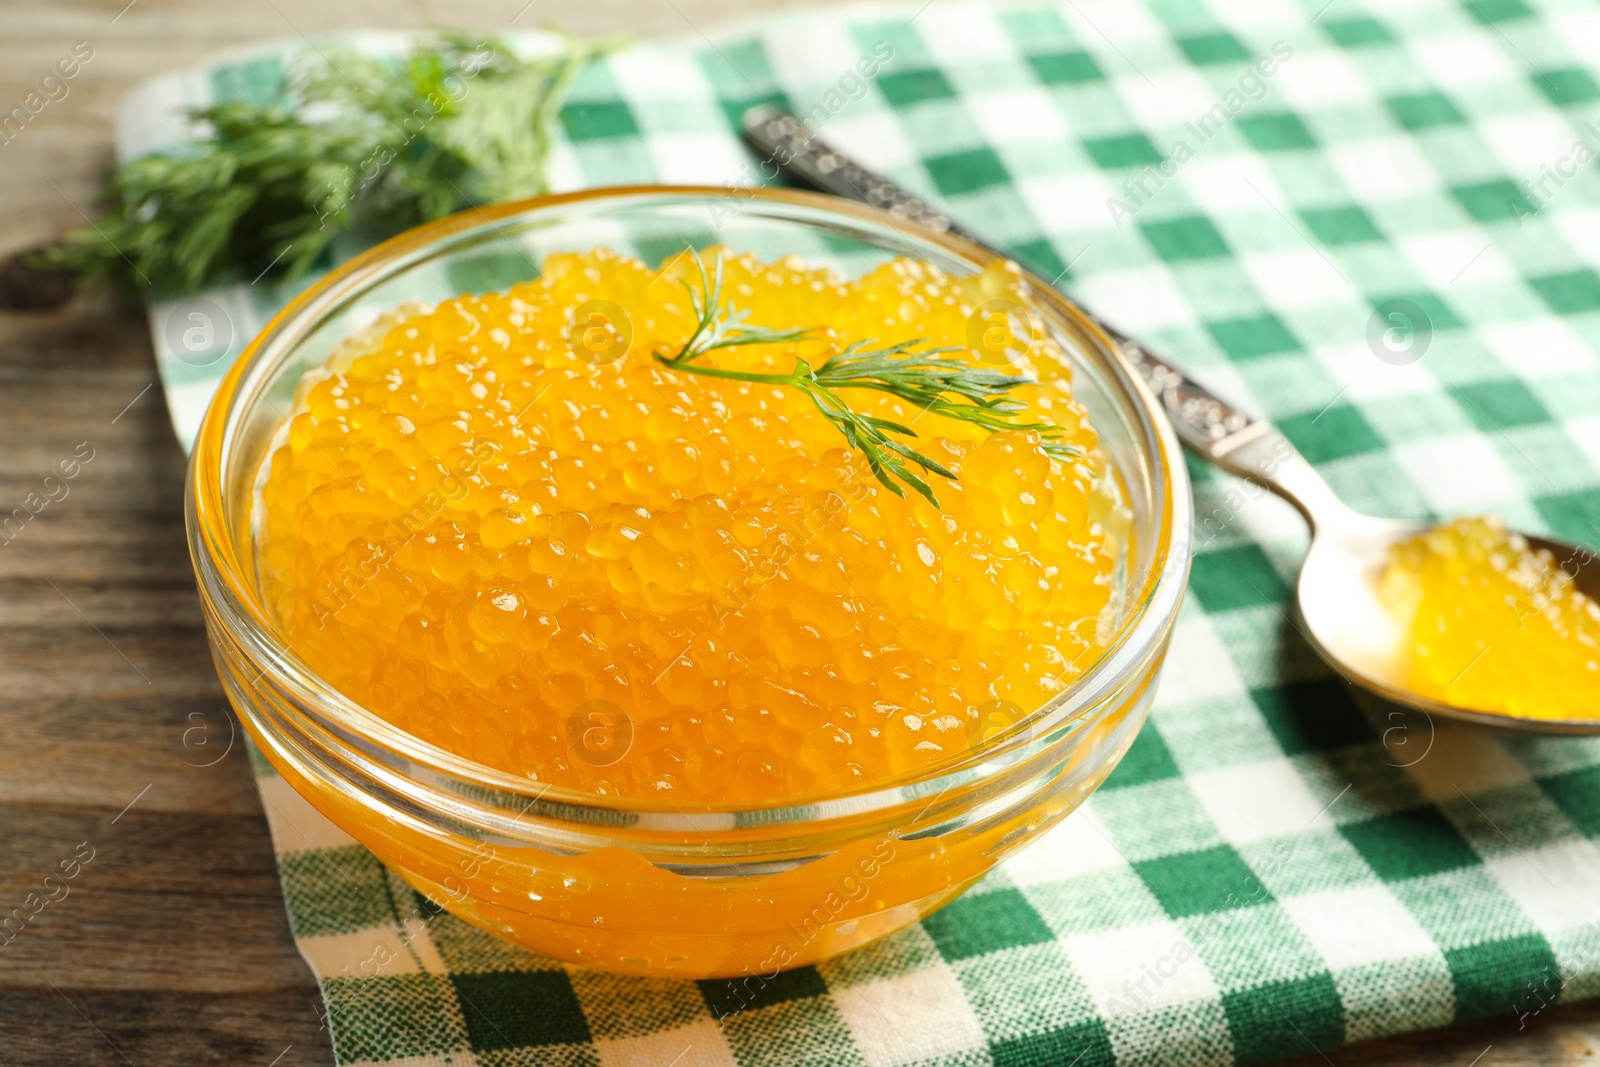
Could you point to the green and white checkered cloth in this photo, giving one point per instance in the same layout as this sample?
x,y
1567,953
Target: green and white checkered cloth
x,y
1272,870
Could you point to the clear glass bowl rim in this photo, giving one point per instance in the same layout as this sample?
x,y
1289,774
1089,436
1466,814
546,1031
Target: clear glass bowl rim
x,y
236,605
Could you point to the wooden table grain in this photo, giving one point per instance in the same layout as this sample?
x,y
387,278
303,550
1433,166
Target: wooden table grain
x,y
169,946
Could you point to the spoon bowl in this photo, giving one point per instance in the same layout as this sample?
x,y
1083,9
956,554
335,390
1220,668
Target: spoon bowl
x,y
1348,625
1341,614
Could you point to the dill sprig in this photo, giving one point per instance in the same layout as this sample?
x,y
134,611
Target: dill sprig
x,y
722,325
358,145
913,371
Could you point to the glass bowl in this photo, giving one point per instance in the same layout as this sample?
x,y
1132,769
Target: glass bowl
x,y
650,887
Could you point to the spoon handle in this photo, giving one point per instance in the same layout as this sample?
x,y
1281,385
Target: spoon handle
x,y
1213,428
1239,443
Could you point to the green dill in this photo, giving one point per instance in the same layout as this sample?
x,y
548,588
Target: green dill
x,y
365,146
722,325
913,371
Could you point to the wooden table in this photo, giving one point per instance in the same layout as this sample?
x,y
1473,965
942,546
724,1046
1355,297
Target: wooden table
x,y
171,945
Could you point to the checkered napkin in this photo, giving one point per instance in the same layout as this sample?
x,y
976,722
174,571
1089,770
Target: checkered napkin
x,y
1378,227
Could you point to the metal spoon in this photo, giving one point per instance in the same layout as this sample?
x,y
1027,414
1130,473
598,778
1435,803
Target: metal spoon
x,y
1337,594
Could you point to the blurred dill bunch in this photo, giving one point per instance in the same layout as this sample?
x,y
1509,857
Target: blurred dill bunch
x,y
361,145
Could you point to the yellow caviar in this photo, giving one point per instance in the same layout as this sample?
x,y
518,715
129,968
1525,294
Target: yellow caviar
x,y
1494,624
503,525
